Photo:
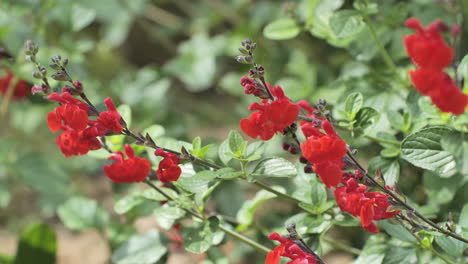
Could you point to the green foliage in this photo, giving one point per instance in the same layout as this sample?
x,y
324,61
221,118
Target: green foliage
x,y
274,167
79,213
284,28
37,244
146,248
245,215
423,149
198,239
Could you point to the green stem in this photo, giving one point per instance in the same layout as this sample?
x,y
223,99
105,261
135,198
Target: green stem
x,y
279,194
245,240
339,245
384,141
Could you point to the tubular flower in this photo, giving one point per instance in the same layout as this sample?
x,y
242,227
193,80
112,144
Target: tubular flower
x,y
109,120
73,143
132,169
427,48
21,89
168,169
369,206
288,249
429,51
68,115
326,152
271,117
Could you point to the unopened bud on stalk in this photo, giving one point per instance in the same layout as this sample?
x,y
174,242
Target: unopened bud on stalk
x,y
31,58
37,74
60,76
244,59
31,47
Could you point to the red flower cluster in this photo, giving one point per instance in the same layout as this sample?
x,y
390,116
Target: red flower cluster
x,y
168,169
250,86
325,151
369,206
132,169
429,51
288,249
72,118
271,117
21,89
80,134
109,120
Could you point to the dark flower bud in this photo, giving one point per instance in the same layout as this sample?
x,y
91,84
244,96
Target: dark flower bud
x,y
70,90
78,86
308,169
455,30
285,146
56,59
303,160
54,66
253,46
293,149
316,113
36,89
65,62
261,70
252,73
43,70
246,42
322,102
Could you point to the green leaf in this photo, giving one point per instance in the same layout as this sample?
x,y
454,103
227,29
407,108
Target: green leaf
x,y
423,149
450,245
462,69
400,255
146,248
346,23
228,173
353,104
440,190
366,118
397,231
79,213
152,194
154,131
237,144
284,28
196,183
223,151
245,215
38,244
199,239
313,194
166,215
127,203
81,17
463,219
274,167
197,149
373,251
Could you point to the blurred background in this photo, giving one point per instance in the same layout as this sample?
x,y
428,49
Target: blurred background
x,y
172,62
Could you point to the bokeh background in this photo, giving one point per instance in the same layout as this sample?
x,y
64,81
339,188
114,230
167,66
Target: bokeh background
x,y
172,62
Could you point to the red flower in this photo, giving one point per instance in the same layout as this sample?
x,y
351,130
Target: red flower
x,y
132,169
21,89
69,115
168,169
67,98
326,152
72,142
288,249
426,47
324,149
109,120
431,54
329,172
271,117
369,206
